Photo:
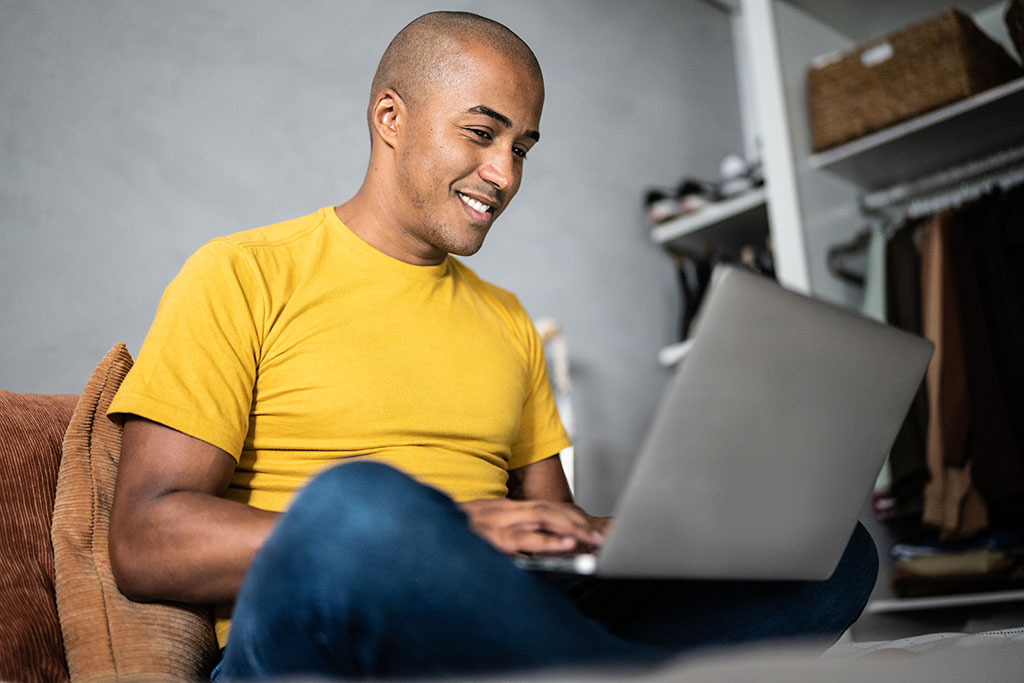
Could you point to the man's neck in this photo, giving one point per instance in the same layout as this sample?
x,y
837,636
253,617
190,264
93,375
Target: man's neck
x,y
368,218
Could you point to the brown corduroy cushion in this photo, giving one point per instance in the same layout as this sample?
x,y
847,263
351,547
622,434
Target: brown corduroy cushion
x,y
106,635
31,429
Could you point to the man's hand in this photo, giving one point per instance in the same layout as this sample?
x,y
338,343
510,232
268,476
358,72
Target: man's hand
x,y
601,523
534,526
538,516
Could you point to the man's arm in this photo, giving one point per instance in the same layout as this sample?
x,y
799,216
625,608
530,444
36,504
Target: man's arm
x,y
543,480
538,516
172,535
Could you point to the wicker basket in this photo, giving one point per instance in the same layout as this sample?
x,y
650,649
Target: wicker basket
x,y
924,66
1015,24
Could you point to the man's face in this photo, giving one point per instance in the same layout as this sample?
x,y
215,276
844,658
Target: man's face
x,y
462,155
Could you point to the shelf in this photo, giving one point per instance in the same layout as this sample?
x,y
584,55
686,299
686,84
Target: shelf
x,y
954,134
673,354
853,21
943,601
728,224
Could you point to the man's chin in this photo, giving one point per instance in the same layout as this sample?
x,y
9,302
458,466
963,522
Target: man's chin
x,y
464,247
468,250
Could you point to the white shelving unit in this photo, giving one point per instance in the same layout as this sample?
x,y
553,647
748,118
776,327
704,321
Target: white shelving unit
x,y
812,199
939,139
674,354
882,606
729,224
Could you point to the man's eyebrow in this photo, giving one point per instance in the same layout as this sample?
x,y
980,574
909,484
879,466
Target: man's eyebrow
x,y
501,118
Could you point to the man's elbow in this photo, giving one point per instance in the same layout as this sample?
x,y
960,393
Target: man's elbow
x,y
127,563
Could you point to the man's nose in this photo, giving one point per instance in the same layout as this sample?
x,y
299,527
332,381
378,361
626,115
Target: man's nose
x,y
498,170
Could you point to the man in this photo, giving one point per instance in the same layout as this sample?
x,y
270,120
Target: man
x,y
351,335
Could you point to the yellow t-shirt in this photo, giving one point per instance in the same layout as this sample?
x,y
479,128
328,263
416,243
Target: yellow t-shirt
x,y
297,345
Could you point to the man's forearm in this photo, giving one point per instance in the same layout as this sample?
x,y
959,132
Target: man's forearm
x,y
187,546
542,480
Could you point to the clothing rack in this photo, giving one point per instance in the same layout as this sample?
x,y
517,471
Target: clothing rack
x,y
949,188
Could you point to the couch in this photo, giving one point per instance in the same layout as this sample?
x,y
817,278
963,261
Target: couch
x,y
64,619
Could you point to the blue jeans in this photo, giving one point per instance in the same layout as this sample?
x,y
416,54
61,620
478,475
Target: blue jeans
x,y
370,574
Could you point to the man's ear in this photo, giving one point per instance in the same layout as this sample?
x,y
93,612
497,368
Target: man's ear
x,y
388,116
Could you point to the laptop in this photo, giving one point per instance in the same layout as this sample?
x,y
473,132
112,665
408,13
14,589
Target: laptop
x,y
766,444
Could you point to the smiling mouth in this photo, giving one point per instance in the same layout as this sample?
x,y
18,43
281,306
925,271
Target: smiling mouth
x,y
475,204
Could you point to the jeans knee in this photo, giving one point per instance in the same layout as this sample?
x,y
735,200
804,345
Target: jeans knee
x,y
862,557
348,553
854,579
353,489
358,481
360,505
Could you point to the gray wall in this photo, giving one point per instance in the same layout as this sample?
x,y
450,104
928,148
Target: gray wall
x,y
133,131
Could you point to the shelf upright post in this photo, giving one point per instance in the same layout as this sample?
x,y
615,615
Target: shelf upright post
x,y
779,158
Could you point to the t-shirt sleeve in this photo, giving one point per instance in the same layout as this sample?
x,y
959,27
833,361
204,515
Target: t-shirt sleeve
x,y
541,433
197,366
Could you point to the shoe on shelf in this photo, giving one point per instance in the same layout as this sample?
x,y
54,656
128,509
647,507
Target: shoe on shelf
x,y
689,196
739,175
660,206
694,194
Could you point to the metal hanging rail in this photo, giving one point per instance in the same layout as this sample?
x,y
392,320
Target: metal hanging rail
x,y
950,187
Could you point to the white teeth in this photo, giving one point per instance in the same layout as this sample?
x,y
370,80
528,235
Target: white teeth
x,y
474,204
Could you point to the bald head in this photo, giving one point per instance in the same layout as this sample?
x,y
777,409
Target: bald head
x,y
425,55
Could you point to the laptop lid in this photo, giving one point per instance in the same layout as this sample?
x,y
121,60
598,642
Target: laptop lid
x,y
767,441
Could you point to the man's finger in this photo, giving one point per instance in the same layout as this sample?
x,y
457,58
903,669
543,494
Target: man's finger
x,y
540,542
491,517
562,519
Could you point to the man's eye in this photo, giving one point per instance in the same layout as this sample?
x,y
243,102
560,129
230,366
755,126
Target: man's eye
x,y
519,152
481,133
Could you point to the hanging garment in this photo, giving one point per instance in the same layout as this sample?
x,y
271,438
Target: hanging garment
x,y
997,242
994,228
951,502
908,467
694,274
